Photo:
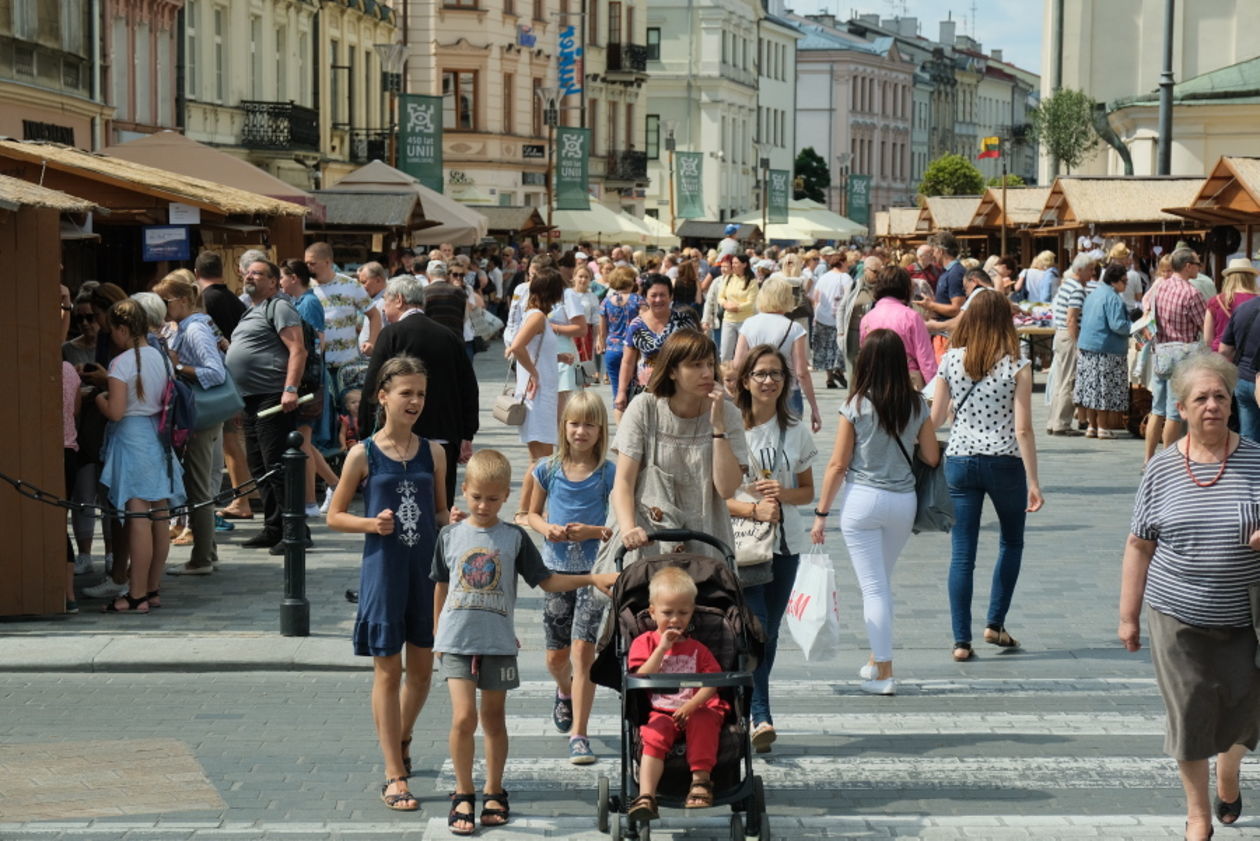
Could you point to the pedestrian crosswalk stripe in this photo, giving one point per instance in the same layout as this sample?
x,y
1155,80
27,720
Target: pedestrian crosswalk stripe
x,y
876,772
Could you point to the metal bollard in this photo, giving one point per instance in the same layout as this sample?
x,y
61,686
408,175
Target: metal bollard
x,y
295,610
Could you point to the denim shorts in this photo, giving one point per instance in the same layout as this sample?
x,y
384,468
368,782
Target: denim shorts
x,y
575,615
493,672
1163,401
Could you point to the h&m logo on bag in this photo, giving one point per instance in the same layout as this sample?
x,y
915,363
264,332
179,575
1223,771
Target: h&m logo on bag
x,y
798,603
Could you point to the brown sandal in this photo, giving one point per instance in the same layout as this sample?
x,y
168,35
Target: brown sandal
x,y
700,795
643,809
403,801
1000,637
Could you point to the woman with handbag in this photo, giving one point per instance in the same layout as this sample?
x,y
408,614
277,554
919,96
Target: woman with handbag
x,y
992,451
883,420
195,355
781,457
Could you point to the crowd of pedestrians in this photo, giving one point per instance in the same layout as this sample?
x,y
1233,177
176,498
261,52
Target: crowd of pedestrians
x,y
705,363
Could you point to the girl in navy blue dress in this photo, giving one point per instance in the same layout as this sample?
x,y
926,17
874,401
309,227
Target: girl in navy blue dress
x,y
404,498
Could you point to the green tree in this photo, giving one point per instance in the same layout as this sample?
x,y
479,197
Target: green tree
x,y
1064,125
812,176
1012,180
952,175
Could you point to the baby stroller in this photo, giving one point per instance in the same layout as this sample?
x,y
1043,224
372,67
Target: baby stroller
x,y
724,625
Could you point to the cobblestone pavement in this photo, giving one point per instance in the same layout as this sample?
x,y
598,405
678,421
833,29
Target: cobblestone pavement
x,y
233,732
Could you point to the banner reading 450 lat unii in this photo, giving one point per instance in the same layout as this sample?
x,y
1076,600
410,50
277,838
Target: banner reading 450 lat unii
x,y
420,141
777,210
689,185
572,152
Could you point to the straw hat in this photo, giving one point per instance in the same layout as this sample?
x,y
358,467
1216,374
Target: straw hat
x,y
1240,265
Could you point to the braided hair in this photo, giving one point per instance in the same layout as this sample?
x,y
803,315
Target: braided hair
x,y
398,366
131,315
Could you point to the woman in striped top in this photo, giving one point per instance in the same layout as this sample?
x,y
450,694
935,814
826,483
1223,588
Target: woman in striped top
x,y
1193,555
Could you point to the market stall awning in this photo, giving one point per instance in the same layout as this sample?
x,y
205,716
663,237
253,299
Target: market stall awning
x,y
1230,195
1116,202
15,193
102,174
458,224
513,220
902,222
386,210
598,224
831,224
659,233
173,151
1023,207
697,229
946,213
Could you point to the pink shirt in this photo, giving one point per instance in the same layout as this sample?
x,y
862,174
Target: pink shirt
x,y
891,314
1220,318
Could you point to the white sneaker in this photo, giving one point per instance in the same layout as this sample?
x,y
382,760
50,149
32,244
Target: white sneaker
x,y
868,672
880,687
328,495
313,511
107,589
82,563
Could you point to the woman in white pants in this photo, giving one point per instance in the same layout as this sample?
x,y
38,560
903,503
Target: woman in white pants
x,y
879,426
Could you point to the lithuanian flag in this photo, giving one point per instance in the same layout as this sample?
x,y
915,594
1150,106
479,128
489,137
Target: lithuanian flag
x,y
990,147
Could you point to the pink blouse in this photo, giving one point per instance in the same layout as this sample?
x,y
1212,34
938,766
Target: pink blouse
x,y
891,314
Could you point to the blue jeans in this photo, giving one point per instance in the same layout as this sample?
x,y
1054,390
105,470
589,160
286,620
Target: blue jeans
x,y
612,362
1248,411
768,602
970,478
796,403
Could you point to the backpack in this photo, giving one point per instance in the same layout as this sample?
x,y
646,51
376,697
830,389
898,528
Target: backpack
x,y
313,372
178,417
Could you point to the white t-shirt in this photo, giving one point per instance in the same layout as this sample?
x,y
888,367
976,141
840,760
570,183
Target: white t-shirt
x,y
516,312
797,456
152,373
378,304
830,290
771,328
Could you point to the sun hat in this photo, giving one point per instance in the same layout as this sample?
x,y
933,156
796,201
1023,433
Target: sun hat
x,y
1240,265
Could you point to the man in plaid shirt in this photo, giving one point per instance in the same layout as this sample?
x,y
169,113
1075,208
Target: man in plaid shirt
x,y
1179,312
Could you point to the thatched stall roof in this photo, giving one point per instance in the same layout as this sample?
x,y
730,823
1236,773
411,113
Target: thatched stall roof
x,y
946,213
1118,203
64,167
525,220
344,209
1230,195
881,223
901,222
15,193
1023,207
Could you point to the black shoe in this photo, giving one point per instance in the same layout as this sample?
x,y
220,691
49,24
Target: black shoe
x,y
831,383
840,378
262,540
278,549
352,596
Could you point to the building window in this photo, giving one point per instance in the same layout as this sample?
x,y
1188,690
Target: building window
x,y
459,4
144,64
652,136
459,99
654,43
593,111
303,45
166,81
509,101
71,25
540,12
630,25
220,55
724,48
592,29
120,82
614,22
282,64
255,57
335,84
191,21
538,108
629,125
25,19
509,7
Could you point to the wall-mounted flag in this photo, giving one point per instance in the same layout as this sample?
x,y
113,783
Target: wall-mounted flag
x,y
990,147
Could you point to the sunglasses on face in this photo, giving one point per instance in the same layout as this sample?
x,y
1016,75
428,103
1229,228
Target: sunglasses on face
x,y
83,317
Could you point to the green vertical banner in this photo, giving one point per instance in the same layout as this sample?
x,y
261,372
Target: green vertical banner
x,y
572,153
689,184
420,138
777,204
860,199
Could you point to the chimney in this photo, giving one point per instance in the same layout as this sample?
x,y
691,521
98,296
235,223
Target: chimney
x,y
869,19
825,18
889,23
996,55
947,33
908,27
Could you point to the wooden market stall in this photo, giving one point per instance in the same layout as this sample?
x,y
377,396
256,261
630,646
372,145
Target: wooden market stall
x,y
154,220
895,227
33,557
1020,214
512,224
1120,208
953,214
1229,202
357,225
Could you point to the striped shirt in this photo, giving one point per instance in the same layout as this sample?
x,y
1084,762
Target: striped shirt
x,y
1179,311
1071,295
1202,564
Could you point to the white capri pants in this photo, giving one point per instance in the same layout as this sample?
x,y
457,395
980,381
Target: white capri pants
x,y
876,524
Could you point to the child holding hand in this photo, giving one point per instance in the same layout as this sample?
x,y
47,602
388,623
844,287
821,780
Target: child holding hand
x,y
698,712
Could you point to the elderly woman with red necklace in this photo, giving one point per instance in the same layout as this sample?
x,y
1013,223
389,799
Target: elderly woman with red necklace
x,y
1193,557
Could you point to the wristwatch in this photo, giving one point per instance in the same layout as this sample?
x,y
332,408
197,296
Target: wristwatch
x,y
290,389
179,368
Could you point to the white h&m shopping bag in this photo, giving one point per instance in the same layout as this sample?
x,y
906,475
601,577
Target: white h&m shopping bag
x,y
813,610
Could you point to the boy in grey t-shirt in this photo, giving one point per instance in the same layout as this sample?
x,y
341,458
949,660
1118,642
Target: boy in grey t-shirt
x,y
475,565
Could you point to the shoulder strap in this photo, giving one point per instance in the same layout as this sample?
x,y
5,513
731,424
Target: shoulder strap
x,y
786,333
904,451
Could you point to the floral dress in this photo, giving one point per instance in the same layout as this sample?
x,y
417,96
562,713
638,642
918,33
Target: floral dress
x,y
648,342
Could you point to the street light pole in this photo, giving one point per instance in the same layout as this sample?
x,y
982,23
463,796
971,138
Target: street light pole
x,y
763,162
1166,93
670,144
551,116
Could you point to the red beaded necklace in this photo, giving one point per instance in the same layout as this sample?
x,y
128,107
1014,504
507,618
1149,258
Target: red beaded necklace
x,y
1219,473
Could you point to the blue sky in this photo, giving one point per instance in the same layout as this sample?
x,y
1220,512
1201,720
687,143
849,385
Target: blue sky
x,y
1013,26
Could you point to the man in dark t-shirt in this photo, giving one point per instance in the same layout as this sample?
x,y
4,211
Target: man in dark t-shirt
x,y
224,308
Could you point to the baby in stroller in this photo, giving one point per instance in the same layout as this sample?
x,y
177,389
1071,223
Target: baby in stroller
x,y
697,712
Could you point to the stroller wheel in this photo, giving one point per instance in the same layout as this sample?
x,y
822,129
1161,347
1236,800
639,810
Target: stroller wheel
x,y
645,831
601,794
614,827
737,827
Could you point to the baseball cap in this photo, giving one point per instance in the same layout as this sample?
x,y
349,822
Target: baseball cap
x,y
732,229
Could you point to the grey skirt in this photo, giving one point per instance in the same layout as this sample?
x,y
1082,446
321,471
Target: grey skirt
x,y
1210,685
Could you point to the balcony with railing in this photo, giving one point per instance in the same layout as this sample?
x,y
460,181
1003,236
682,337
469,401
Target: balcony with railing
x,y
626,165
367,145
626,60
279,125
